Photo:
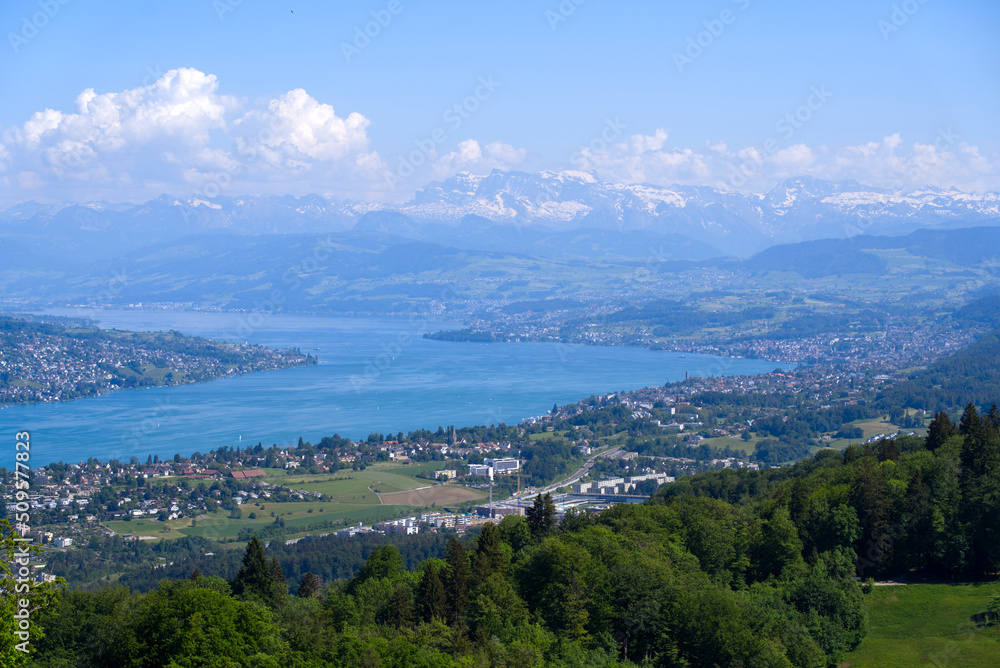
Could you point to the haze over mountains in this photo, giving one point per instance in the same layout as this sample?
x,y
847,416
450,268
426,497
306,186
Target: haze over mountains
x,y
566,214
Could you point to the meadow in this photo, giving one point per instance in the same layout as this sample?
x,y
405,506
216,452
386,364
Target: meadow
x,y
381,492
928,625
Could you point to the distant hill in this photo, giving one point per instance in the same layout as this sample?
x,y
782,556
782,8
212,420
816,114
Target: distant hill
x,y
971,374
372,270
982,311
549,214
814,259
967,247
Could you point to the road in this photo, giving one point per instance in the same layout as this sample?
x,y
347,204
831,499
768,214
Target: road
x,y
582,471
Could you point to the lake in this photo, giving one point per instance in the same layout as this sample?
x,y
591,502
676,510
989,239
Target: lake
x,y
375,374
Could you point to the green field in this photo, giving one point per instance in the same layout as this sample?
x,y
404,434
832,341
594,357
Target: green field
x,y
542,435
870,427
350,497
735,443
928,625
146,528
352,486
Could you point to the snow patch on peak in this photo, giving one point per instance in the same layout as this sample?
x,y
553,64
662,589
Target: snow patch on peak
x,y
200,202
585,177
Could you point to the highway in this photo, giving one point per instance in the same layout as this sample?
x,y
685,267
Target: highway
x,y
582,471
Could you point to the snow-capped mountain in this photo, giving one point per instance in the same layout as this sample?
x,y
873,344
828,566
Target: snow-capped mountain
x,y
798,209
735,223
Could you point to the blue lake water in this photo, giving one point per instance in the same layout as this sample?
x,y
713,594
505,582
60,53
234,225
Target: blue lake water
x,y
374,375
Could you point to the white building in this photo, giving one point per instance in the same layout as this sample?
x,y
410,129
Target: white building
x,y
503,465
480,469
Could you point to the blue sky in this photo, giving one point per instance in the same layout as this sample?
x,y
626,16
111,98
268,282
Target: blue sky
x,y
893,78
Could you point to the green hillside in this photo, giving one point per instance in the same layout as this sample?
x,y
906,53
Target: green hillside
x,y
928,625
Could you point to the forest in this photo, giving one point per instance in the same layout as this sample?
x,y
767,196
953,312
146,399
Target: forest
x,y
763,568
971,374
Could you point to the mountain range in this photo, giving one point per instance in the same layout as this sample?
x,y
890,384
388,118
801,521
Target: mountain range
x,y
566,214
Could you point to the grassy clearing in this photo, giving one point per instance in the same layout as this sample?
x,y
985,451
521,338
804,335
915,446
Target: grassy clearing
x,y
542,435
734,443
875,426
871,427
339,515
352,497
409,469
928,625
145,528
352,486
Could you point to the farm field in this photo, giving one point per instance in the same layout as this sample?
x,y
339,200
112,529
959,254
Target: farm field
x,y
353,486
438,495
928,625
351,497
733,443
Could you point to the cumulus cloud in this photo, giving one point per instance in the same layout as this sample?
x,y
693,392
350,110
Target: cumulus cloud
x,y
296,126
943,161
645,158
471,157
181,134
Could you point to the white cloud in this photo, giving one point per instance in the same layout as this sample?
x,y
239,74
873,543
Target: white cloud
x,y
890,163
643,158
297,126
471,157
181,135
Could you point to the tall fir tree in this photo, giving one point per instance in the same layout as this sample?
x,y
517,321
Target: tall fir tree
x,y
255,578
993,417
970,421
940,430
870,499
541,516
399,614
309,586
432,601
980,500
457,582
258,579
488,557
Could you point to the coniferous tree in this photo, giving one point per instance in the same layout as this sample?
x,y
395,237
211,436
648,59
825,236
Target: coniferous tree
x,y
310,585
970,421
431,595
277,575
919,540
980,500
488,557
888,450
254,577
871,501
940,430
993,417
457,582
400,611
541,516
